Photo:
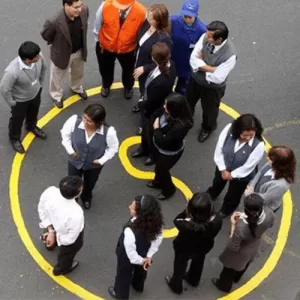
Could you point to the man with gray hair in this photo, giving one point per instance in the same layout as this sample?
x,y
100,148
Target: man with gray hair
x,y
21,88
212,59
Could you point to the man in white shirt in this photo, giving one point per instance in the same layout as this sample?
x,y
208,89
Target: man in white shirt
x,y
212,59
63,221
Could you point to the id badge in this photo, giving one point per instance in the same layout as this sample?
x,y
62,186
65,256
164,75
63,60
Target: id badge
x,y
192,46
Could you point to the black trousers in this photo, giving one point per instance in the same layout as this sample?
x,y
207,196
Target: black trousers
x,y
229,276
90,178
142,80
128,274
27,111
163,165
66,255
233,196
210,102
106,62
180,264
147,146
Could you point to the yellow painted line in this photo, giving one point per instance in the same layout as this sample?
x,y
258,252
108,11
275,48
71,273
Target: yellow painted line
x,y
78,290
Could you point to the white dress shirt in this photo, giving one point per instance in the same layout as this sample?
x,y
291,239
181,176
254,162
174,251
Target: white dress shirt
x,y
221,72
252,161
66,216
130,246
111,139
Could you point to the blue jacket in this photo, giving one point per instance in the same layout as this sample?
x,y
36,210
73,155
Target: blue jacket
x,y
184,38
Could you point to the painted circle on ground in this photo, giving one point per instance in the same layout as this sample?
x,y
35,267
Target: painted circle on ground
x,y
78,290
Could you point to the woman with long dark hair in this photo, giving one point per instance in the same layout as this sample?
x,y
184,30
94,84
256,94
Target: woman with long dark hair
x,y
169,131
239,149
158,86
198,225
139,241
247,229
90,142
275,177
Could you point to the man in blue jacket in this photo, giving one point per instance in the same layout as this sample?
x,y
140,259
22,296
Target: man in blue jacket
x,y
186,30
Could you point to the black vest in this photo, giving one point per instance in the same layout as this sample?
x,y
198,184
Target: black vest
x,y
142,244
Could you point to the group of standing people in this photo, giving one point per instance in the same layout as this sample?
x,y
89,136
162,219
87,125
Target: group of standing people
x,y
155,49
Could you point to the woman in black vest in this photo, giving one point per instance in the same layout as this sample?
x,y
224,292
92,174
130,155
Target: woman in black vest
x,y
239,149
170,129
198,225
158,86
155,29
139,241
244,243
90,143
275,177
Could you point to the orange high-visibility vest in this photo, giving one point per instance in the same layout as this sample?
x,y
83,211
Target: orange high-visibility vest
x,y
122,39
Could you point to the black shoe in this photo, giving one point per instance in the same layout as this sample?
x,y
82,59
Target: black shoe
x,y
128,94
186,279
111,291
203,136
138,290
215,282
149,162
87,204
59,104
162,197
153,185
75,264
222,214
139,131
105,92
83,95
137,154
17,146
168,280
136,108
38,132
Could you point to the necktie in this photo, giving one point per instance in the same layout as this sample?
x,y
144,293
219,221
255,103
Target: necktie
x,y
123,16
212,48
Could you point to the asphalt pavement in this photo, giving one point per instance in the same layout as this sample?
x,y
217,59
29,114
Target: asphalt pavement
x,y
265,82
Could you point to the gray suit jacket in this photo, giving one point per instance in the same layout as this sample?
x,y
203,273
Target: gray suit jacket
x,y
271,191
242,248
56,33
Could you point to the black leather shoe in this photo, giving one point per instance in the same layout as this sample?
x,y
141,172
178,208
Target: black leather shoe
x,y
222,214
17,146
162,197
105,92
38,132
139,131
149,162
153,185
168,280
83,95
59,104
87,204
137,154
75,264
136,108
215,282
112,292
186,279
128,94
203,136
